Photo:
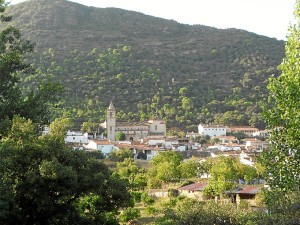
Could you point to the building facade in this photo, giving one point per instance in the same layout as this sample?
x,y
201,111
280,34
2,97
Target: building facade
x,y
211,130
133,130
111,122
248,131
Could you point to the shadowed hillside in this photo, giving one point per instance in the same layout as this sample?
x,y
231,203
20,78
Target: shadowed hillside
x,y
160,68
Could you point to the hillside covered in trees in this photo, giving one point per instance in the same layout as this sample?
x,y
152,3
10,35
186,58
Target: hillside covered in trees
x,y
150,67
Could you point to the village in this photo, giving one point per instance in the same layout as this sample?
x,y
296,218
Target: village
x,y
147,139
150,138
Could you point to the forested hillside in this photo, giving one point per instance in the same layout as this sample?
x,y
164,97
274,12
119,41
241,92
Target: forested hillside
x,y
149,67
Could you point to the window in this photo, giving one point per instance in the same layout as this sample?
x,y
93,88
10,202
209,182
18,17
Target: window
x,y
155,127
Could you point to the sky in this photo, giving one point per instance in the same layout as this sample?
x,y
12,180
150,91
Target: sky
x,y
265,17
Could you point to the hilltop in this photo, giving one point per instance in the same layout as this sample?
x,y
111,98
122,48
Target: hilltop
x,y
186,74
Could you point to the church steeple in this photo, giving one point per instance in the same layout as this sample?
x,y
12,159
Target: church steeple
x,y
111,106
111,122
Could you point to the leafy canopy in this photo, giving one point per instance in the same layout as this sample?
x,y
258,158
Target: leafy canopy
x,y
44,181
282,160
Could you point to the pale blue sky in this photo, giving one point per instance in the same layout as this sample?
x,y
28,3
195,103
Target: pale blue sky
x,y
266,17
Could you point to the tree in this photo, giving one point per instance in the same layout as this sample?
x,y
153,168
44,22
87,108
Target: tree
x,y
224,173
59,126
120,155
130,214
129,170
190,168
89,127
35,104
164,167
282,160
120,136
46,182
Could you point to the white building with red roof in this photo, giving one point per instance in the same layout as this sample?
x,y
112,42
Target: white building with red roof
x,y
212,130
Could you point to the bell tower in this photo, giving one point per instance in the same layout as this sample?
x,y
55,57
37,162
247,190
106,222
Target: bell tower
x,y
111,122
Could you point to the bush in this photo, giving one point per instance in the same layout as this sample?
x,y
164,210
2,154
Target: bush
x,y
129,214
172,193
95,154
147,199
120,155
137,196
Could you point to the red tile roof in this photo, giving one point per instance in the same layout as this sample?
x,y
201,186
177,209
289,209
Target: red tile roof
x,y
247,189
102,142
194,187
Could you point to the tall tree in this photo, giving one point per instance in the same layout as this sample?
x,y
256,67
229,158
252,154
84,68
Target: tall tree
x,y
33,105
164,167
43,181
282,160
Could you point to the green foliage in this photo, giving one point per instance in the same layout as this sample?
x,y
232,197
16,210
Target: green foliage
x,y
238,135
95,154
164,167
190,168
35,104
225,173
120,136
60,126
189,211
129,214
284,207
120,155
282,160
45,182
219,78
129,170
147,199
89,127
181,104
136,195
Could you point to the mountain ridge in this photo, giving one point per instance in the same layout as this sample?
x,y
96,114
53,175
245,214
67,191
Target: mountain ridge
x,y
210,62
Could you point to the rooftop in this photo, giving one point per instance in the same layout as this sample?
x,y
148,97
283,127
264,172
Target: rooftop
x,y
194,187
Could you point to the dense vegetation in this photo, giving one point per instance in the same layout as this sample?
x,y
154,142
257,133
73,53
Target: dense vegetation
x,y
91,80
42,180
282,161
168,171
149,67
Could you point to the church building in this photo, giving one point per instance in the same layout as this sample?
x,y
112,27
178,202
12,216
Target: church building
x,y
133,131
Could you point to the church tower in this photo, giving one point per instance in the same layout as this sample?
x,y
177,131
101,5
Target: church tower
x,y
111,122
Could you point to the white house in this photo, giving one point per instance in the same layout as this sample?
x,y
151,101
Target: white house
x,y
105,147
253,144
261,133
156,141
149,151
171,143
76,137
212,130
